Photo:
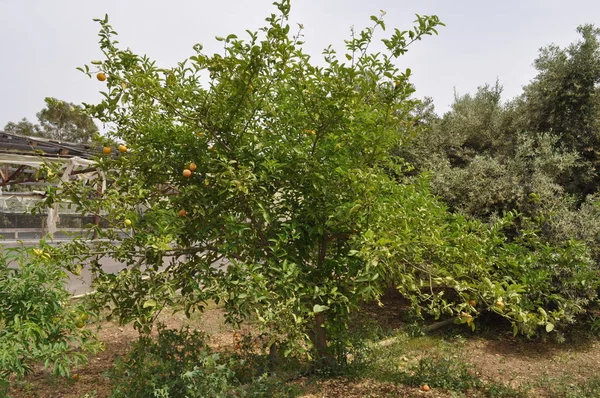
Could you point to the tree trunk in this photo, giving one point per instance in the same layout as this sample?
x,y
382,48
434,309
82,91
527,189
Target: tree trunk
x,y
438,325
273,357
320,341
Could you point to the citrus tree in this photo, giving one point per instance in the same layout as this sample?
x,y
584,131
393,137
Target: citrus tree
x,y
38,322
251,178
263,180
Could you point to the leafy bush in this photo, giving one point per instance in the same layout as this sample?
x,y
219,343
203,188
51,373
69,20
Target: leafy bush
x,y
38,323
527,180
526,232
179,363
460,267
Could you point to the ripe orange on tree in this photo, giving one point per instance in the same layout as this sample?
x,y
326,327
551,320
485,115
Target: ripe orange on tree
x,y
187,173
182,213
101,76
193,166
106,150
122,148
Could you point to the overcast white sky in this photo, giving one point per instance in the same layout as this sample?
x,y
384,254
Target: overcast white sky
x,y
43,41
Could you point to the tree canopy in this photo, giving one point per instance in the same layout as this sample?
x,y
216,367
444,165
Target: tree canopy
x,y
59,120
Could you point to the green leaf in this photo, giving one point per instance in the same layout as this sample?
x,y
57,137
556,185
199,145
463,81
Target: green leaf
x,y
150,303
319,308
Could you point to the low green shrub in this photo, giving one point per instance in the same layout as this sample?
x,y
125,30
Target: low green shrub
x,y
179,363
38,322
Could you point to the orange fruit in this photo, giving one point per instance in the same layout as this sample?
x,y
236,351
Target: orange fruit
x,y
187,173
500,304
75,376
473,303
106,150
122,148
101,76
425,387
80,323
182,213
193,166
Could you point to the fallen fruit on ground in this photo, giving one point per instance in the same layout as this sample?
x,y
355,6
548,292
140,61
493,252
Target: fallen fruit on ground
x,y
128,223
425,387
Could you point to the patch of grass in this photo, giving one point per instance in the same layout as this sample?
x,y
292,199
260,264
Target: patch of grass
x,y
444,373
568,387
388,357
497,390
415,361
454,375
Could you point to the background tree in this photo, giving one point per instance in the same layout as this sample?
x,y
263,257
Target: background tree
x,y
59,120
564,100
24,127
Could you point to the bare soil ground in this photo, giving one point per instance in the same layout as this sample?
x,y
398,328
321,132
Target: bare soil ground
x,y
515,362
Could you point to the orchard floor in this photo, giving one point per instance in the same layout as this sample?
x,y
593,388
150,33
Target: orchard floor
x,y
528,368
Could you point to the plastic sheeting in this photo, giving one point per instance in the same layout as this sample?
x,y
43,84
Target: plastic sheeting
x,y
71,165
